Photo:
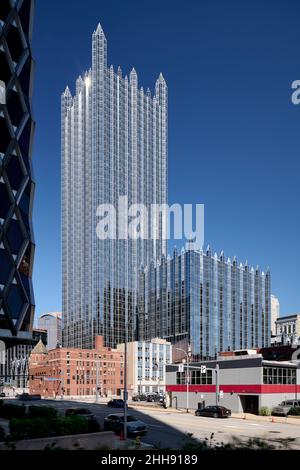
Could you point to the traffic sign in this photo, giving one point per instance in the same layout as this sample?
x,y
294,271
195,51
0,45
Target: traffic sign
x,y
180,368
203,369
221,394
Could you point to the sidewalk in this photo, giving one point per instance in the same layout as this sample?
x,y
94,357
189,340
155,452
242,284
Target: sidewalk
x,y
268,419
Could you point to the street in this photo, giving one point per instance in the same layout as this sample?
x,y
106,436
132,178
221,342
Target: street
x,y
170,428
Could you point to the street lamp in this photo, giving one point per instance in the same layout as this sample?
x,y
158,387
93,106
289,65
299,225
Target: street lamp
x,y
188,354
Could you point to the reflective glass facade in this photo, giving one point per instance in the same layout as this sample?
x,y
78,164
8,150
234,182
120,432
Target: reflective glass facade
x,y
212,303
16,183
114,143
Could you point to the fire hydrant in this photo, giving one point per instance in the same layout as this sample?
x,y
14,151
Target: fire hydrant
x,y
138,441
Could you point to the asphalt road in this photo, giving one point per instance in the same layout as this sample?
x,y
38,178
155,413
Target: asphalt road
x,y
170,429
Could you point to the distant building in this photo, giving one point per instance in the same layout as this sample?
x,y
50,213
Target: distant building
x,y
14,372
76,372
275,313
210,302
52,323
288,329
147,362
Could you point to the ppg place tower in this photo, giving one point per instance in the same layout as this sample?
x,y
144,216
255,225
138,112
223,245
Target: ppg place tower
x,y
113,143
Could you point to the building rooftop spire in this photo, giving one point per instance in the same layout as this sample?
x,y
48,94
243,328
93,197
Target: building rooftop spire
x,y
99,31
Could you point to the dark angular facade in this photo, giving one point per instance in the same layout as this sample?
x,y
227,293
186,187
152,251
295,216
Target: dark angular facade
x,y
16,182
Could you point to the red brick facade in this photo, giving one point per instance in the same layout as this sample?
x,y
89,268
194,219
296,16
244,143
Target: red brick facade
x,y
73,372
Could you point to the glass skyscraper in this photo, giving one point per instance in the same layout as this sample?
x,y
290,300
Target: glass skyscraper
x,y
16,180
114,143
203,299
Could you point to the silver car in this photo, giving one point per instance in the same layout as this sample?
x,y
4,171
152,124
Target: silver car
x,y
284,407
115,422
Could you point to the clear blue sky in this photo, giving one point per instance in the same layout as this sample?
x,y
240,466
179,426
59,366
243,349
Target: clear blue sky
x,y
234,134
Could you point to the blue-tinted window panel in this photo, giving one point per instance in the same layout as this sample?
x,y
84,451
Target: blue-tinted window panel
x,y
5,135
14,172
14,42
5,202
5,266
5,72
24,15
15,301
14,237
4,9
14,108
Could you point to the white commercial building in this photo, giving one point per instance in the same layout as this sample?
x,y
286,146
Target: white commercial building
x,y
275,313
147,361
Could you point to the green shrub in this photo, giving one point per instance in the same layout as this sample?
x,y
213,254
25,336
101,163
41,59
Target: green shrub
x,y
30,428
47,412
264,411
9,410
295,411
70,425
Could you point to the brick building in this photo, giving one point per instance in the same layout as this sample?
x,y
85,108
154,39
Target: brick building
x,y
76,372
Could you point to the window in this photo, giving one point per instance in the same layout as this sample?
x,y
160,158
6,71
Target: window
x,y
279,375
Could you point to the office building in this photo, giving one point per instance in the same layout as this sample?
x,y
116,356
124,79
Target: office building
x,y
114,144
16,181
146,365
275,313
51,322
206,301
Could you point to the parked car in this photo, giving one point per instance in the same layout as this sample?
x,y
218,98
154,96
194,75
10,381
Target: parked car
x,y
139,397
214,412
155,397
115,422
116,403
2,395
27,396
284,407
87,414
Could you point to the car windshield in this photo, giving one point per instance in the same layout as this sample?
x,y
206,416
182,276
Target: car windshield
x,y
129,419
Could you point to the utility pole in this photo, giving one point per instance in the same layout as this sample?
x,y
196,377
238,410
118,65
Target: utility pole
x,y
188,354
188,357
97,381
217,384
62,385
125,380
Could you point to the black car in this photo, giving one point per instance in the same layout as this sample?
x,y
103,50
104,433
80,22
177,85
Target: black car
x,y
214,412
116,403
155,397
2,395
87,414
140,397
115,422
27,397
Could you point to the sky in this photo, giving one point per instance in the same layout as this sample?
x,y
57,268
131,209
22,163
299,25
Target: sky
x,y
233,131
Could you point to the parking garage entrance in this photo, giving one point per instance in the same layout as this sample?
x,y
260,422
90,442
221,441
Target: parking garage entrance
x,y
249,403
